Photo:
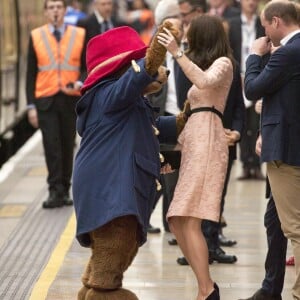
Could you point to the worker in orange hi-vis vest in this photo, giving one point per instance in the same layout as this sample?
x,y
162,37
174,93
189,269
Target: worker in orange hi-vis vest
x,y
55,60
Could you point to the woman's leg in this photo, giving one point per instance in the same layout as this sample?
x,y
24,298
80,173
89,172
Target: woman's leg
x,y
193,245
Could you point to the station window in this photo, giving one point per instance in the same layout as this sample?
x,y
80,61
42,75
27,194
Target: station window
x,y
8,61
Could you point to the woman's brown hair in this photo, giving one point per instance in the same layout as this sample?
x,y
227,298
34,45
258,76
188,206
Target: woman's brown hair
x,y
207,41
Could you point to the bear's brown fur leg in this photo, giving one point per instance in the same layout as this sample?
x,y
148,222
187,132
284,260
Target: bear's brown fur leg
x,y
114,247
119,294
82,293
86,275
85,278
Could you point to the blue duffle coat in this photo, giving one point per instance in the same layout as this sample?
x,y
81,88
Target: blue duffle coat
x,y
117,165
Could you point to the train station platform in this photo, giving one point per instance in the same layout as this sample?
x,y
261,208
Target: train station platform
x,y
40,259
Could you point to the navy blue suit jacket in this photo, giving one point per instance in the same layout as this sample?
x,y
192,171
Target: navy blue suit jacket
x,y
278,83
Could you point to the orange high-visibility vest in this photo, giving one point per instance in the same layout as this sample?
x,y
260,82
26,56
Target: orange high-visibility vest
x,y
58,62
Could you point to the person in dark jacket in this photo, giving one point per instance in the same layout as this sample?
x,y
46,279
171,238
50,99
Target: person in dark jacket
x,y
243,30
100,20
280,124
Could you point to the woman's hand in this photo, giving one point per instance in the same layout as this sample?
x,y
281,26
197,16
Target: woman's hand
x,y
168,41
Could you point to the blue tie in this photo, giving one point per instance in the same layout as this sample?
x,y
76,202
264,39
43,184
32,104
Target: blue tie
x,y
57,34
105,26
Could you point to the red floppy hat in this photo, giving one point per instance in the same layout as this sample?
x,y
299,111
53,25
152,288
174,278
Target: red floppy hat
x,y
108,52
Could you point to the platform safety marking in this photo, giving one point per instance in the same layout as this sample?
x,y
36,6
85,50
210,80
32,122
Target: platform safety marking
x,y
38,171
40,290
12,210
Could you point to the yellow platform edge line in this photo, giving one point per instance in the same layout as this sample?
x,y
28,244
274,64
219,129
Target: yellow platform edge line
x,y
40,289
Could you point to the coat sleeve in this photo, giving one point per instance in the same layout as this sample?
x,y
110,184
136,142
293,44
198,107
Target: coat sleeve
x,y
128,88
210,78
261,81
167,129
31,73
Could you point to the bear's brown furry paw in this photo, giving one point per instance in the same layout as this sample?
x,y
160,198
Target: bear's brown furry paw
x,y
119,294
156,53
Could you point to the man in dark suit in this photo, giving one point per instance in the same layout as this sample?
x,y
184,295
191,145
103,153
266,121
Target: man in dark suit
x,y
222,9
102,19
243,30
272,284
278,84
190,9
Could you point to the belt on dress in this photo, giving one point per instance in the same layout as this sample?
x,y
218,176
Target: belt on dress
x,y
212,109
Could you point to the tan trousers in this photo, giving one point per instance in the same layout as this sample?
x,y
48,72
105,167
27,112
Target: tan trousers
x,y
285,186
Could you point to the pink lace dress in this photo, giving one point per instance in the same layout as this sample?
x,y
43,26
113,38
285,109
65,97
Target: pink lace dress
x,y
203,144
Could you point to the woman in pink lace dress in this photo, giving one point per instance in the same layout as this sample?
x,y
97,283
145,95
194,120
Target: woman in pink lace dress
x,y
208,65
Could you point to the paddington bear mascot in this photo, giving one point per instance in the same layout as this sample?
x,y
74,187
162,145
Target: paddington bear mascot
x,y
117,167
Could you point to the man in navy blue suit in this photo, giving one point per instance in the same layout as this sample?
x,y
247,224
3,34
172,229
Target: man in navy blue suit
x,y
278,83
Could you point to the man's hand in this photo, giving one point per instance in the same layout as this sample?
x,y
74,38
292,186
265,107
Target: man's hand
x,y
33,117
258,145
258,106
72,90
261,46
232,136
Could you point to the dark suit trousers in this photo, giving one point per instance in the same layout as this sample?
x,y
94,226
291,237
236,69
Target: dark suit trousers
x,y
169,182
58,126
247,144
211,229
276,255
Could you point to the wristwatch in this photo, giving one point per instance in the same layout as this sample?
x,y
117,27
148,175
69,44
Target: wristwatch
x,y
179,54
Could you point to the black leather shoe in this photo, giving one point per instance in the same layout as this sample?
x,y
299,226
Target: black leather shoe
x,y
53,201
183,262
172,242
220,256
262,295
224,241
152,229
67,200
